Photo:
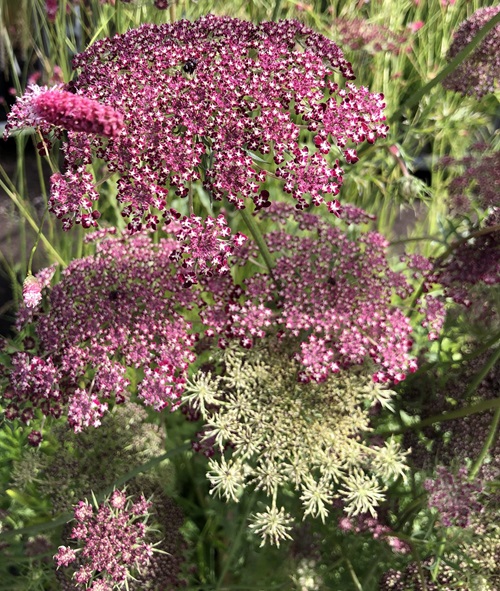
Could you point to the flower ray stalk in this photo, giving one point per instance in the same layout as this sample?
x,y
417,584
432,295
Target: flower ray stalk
x,y
459,58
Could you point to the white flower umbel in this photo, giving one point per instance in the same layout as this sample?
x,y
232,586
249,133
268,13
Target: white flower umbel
x,y
287,436
389,460
315,497
201,391
362,493
227,480
273,525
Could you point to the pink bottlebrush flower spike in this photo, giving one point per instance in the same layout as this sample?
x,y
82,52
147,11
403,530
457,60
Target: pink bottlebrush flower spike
x,y
44,107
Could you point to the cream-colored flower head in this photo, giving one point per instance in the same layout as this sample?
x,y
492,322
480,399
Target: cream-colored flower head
x,y
284,435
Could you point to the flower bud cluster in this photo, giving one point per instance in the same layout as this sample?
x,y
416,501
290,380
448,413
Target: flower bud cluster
x,y
453,496
46,108
379,531
111,542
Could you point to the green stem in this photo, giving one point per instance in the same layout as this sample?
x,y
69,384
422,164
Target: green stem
x,y
439,556
415,505
485,370
235,544
27,216
32,253
259,239
276,10
455,62
482,406
417,239
353,574
487,444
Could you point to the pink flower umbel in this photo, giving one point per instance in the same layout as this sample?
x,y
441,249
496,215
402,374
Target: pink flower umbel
x,y
123,307
328,292
111,542
222,102
454,496
205,247
45,108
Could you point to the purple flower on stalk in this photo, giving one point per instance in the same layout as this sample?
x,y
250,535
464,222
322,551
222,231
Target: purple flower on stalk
x,y
111,542
453,496
33,286
480,72
224,102
32,292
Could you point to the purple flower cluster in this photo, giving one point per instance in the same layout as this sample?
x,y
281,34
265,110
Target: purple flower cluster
x,y
479,180
359,34
480,73
222,101
472,262
116,309
328,292
453,496
410,579
111,542
206,246
366,523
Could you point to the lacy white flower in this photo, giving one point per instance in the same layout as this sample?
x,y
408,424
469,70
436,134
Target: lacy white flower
x,y
272,525
389,460
288,436
201,391
315,496
226,479
362,493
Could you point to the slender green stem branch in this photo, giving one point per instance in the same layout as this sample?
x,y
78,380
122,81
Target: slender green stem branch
x,y
235,543
190,199
484,371
490,439
417,239
27,216
353,574
459,58
466,411
33,250
259,239
276,10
